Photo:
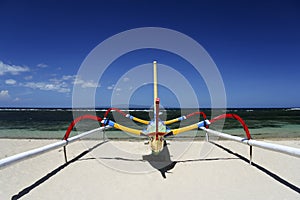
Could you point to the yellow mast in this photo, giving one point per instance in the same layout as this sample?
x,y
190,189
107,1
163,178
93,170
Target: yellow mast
x,y
155,80
156,99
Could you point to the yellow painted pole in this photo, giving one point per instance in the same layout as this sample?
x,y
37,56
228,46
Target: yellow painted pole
x,y
184,129
127,129
140,120
155,81
156,99
171,121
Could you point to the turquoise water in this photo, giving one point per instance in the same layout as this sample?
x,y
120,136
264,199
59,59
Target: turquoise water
x,y
52,123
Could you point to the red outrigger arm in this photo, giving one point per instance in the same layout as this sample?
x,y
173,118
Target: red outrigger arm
x,y
234,116
75,121
125,115
116,109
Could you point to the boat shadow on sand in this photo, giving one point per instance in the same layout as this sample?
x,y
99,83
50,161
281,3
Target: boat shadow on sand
x,y
161,162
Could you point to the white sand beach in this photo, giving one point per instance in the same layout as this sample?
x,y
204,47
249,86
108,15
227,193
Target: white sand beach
x,y
122,170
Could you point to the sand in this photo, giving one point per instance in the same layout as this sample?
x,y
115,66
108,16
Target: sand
x,y
124,170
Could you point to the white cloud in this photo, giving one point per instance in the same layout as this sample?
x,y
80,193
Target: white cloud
x,y
62,85
48,86
64,90
111,87
89,84
126,79
85,83
42,65
4,94
12,69
68,77
16,99
27,78
10,82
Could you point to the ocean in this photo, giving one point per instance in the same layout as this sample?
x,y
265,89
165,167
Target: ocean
x,y
270,123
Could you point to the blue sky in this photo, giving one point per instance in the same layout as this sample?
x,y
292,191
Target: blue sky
x,y
255,45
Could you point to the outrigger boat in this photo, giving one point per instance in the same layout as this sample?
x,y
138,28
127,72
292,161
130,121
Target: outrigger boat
x,y
156,131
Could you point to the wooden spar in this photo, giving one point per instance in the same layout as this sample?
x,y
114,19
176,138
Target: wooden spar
x,y
34,152
155,80
156,99
265,145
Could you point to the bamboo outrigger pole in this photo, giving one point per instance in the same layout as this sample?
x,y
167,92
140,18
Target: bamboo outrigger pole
x,y
264,145
35,152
